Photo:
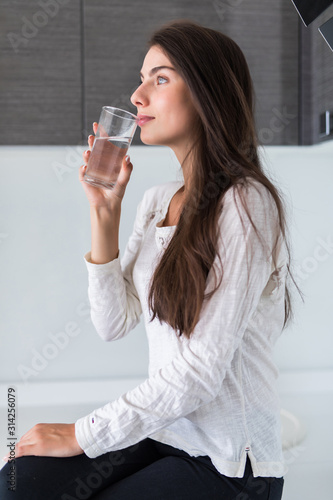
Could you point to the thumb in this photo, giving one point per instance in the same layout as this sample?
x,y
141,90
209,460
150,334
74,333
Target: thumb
x,y
123,177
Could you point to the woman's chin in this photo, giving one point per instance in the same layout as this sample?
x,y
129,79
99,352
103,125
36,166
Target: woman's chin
x,y
147,141
150,140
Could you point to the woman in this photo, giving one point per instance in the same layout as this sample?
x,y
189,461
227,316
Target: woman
x,y
207,266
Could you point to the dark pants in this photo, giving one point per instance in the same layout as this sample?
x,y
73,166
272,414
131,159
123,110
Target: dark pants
x,y
146,471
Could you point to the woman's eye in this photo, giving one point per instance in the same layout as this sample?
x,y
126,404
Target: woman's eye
x,y
159,78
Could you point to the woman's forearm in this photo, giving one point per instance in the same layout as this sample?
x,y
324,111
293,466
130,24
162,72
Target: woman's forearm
x,y
104,234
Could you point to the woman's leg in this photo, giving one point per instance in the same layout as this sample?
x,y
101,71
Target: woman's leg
x,y
46,478
146,471
179,476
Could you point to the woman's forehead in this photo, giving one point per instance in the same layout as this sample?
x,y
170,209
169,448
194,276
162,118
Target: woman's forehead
x,y
155,57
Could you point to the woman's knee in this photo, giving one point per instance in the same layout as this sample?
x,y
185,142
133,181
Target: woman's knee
x,y
8,481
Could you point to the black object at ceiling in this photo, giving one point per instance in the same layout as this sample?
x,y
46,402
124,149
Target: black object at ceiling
x,y
309,10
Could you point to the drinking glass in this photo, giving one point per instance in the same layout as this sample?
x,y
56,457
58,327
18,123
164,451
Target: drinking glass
x,y
114,135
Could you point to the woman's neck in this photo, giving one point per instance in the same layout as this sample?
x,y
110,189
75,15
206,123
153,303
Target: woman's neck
x,y
184,157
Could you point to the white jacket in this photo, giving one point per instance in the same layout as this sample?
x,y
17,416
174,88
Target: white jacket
x,y
214,394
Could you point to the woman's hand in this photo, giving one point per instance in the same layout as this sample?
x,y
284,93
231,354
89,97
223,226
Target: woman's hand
x,y
100,197
48,440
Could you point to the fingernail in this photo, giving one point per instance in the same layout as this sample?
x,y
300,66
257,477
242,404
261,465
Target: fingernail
x,y
86,151
128,159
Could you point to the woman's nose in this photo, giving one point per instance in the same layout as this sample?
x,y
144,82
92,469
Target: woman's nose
x,y
138,97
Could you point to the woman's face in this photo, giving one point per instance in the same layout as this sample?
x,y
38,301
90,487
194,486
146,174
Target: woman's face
x,y
165,108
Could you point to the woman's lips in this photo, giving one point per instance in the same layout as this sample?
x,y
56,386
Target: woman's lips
x,y
144,119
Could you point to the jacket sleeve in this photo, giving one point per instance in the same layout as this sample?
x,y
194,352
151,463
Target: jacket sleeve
x,y
195,375
115,307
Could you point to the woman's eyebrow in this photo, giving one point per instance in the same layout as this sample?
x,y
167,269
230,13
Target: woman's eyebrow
x,y
157,68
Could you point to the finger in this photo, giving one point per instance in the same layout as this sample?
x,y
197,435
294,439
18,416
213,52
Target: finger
x,y
30,436
18,451
86,155
82,171
123,177
26,436
125,171
91,139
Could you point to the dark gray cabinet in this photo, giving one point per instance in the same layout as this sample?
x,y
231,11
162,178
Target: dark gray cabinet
x,y
267,33
62,60
40,72
316,79
115,45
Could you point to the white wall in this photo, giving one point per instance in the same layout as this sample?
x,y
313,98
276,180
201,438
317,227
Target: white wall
x,y
44,233
305,174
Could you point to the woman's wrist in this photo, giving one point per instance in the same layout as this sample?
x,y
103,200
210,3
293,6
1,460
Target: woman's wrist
x,y
104,234
107,211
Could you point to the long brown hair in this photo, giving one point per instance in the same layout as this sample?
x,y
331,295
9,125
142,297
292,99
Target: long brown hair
x,y
224,154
